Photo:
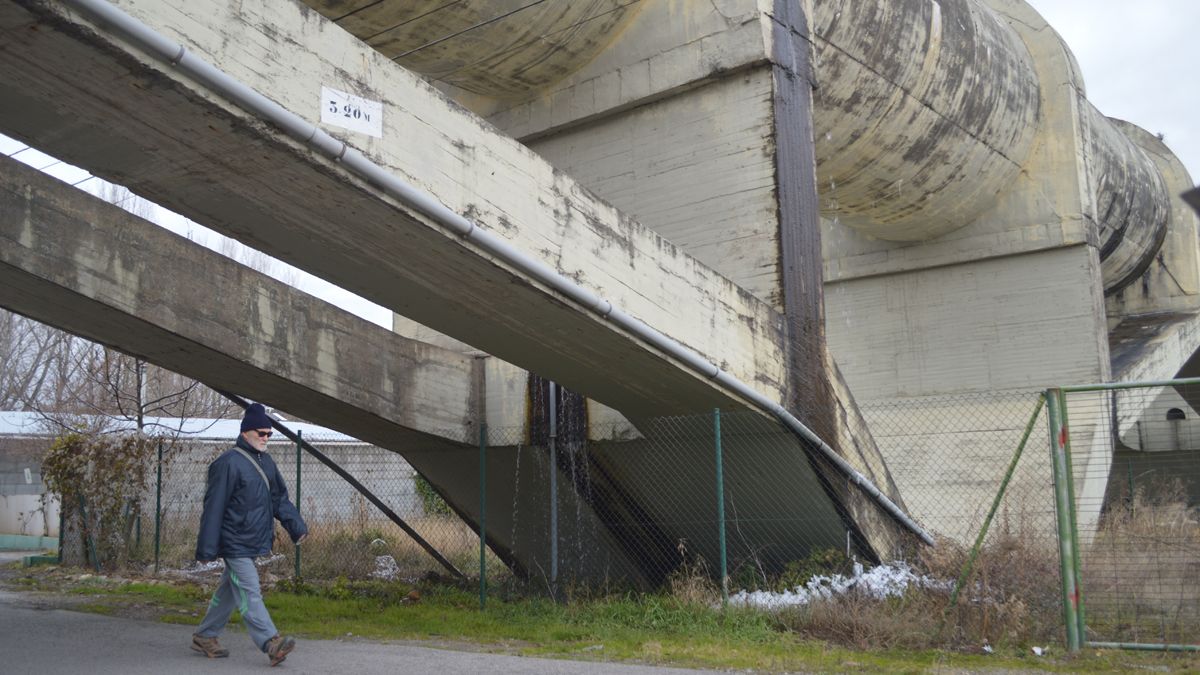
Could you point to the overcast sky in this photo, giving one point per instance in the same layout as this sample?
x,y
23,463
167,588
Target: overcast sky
x,y
1140,62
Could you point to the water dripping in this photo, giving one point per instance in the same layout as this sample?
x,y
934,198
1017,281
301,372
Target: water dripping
x,y
571,454
516,496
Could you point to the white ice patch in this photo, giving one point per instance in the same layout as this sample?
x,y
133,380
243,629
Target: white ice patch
x,y
883,581
385,568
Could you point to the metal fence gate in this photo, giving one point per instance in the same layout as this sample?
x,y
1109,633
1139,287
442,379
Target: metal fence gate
x,y
1127,470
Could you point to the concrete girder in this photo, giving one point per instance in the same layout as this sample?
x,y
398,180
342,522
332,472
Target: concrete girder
x,y
180,146
76,262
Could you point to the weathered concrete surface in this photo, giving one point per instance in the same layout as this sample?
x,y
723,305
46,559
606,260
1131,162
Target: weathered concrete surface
x,y
926,110
928,118
179,146
1172,280
1132,204
500,48
79,263
290,211
1022,322
961,125
86,266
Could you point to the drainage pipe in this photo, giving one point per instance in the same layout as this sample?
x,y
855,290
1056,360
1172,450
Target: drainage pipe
x,y
158,46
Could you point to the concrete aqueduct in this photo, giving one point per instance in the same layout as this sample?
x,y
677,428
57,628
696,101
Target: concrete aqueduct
x,y
927,174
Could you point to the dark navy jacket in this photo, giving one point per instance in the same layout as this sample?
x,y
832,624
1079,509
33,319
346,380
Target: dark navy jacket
x,y
239,511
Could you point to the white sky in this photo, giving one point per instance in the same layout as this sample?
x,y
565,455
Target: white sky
x,y
1140,62
198,233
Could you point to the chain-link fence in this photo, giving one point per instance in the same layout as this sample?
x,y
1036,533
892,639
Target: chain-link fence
x,y
640,505
1134,456
742,499
348,535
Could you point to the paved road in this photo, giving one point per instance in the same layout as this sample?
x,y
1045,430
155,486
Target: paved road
x,y
36,640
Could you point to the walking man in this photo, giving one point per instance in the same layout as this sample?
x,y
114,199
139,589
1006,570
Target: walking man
x,y
245,493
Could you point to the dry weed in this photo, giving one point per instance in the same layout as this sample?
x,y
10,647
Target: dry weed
x,y
1140,570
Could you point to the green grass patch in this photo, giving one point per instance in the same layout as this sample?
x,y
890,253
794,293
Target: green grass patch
x,y
166,595
656,628
96,608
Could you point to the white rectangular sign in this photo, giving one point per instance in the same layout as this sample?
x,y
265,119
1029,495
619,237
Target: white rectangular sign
x,y
351,112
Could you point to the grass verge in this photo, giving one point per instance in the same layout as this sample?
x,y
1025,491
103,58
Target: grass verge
x,y
657,629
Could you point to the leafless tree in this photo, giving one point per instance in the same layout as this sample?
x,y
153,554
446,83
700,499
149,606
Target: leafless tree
x,y
33,359
83,386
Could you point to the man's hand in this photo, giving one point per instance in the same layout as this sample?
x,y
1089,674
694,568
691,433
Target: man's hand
x,y
302,538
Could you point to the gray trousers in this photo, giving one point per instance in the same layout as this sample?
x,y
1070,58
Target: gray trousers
x,y
239,590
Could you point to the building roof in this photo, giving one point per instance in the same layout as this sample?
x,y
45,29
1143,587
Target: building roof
x,y
13,423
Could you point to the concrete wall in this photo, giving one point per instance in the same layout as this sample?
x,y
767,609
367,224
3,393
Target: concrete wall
x,y
395,257
25,509
694,168
1021,322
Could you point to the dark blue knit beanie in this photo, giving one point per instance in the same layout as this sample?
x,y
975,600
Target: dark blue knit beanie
x,y
256,418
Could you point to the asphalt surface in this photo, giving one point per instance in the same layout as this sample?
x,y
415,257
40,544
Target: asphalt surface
x,y
38,640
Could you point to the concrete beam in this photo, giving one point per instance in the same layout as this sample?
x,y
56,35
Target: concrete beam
x,y
83,265
178,143
76,262
79,263
141,124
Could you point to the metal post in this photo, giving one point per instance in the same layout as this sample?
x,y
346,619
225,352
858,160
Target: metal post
x,y
987,522
62,527
721,507
1080,617
158,510
87,534
362,489
482,515
1062,506
299,453
553,490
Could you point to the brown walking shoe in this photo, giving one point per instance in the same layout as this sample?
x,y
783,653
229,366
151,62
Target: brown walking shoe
x,y
278,648
209,647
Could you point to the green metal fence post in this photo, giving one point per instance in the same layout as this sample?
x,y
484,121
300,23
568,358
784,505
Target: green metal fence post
x,y
1062,506
158,510
1080,618
87,534
482,515
62,527
299,454
721,507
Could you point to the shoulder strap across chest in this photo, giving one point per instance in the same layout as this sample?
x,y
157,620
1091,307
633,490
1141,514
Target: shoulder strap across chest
x,y
256,466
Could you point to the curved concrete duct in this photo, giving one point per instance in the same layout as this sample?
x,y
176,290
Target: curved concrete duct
x,y
1132,203
500,48
924,111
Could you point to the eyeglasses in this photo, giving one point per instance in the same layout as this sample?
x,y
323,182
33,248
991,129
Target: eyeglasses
x,y
263,434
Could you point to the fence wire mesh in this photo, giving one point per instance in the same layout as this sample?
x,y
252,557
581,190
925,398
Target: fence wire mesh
x,y
348,536
637,504
949,454
1135,455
